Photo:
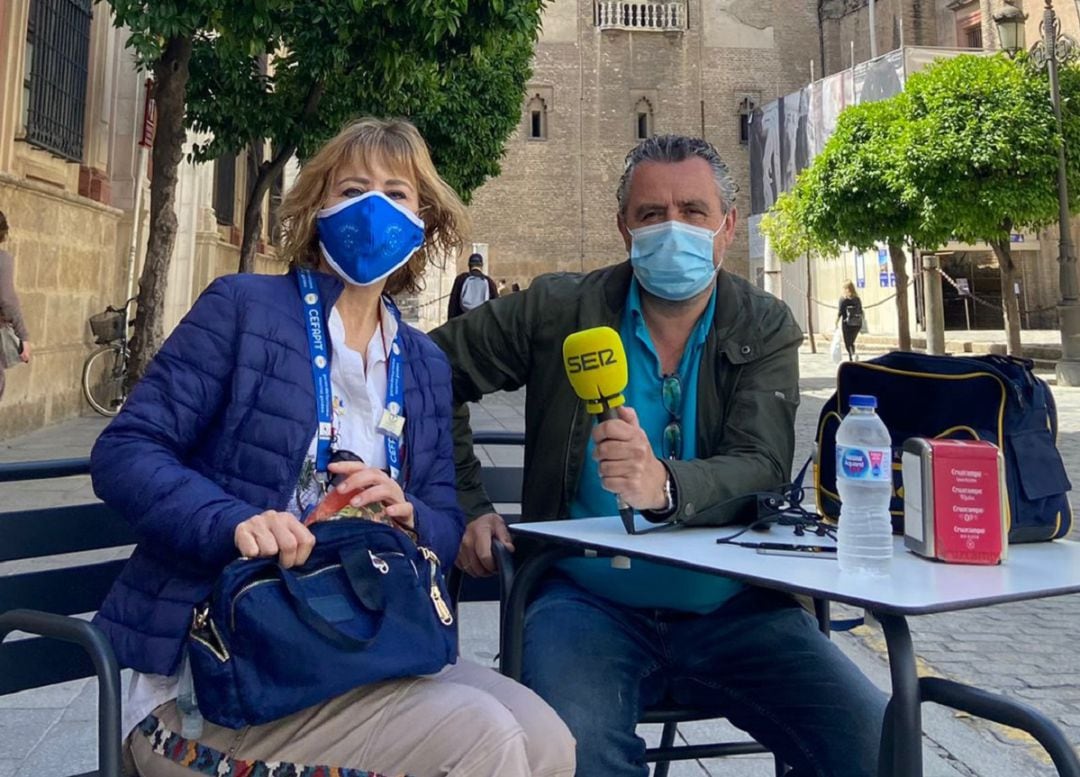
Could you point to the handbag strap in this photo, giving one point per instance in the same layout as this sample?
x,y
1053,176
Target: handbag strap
x,y
366,584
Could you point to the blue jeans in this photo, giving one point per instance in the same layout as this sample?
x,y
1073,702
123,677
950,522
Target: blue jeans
x,y
759,660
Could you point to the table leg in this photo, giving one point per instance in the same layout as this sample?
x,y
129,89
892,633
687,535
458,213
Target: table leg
x,y
903,726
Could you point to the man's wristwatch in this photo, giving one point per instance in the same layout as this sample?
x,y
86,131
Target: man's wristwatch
x,y
669,501
669,495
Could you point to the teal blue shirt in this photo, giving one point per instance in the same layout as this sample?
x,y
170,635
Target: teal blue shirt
x,y
646,584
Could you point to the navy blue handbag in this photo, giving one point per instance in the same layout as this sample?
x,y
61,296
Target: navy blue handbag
x,y
368,605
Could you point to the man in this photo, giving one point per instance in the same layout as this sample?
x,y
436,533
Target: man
x,y
471,289
709,416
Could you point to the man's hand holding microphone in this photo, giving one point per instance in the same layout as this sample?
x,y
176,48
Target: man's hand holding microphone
x,y
595,363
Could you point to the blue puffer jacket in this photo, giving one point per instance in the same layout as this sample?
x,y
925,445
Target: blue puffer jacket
x,y
216,432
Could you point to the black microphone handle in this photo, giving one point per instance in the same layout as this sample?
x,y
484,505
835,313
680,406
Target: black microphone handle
x,y
625,511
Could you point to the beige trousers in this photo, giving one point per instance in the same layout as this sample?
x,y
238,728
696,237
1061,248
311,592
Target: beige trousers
x,y
466,721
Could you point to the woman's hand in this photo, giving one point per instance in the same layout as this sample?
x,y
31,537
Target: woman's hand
x,y
274,533
373,485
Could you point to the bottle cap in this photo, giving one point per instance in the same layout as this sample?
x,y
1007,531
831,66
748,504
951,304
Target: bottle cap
x,y
862,400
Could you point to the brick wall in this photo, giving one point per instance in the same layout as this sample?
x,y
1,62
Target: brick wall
x,y
553,207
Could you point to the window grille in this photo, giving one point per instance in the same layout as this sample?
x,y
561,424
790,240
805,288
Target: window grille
x,y
54,85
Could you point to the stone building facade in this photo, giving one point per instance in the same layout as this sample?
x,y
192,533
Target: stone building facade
x,y
71,116
952,25
606,73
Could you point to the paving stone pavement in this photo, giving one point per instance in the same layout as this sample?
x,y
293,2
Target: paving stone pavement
x,y
1026,650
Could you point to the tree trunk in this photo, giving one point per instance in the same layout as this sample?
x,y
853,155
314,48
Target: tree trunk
x,y
170,79
252,207
1007,271
810,305
903,315
265,172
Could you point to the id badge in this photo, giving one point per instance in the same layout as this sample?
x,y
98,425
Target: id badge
x,y
391,424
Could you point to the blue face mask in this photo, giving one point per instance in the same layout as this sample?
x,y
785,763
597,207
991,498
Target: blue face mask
x,y
673,260
366,238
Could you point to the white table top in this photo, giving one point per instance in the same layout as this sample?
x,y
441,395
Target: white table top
x,y
914,585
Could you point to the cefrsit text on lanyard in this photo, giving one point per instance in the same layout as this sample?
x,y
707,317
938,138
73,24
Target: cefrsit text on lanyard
x,y
392,423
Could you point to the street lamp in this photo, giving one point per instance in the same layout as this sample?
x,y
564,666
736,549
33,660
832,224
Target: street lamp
x,y
1010,24
1053,50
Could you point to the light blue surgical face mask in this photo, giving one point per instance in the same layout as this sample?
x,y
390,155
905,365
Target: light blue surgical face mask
x,y
366,238
673,260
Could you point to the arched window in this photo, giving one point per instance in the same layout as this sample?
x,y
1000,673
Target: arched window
x,y
536,118
746,108
643,120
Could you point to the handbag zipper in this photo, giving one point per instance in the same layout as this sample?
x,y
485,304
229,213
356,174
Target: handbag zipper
x,y
441,608
377,560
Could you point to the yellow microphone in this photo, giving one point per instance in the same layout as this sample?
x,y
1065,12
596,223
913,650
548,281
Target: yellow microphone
x,y
596,366
595,363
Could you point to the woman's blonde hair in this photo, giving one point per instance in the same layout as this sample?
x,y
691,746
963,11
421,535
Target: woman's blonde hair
x,y
395,144
849,287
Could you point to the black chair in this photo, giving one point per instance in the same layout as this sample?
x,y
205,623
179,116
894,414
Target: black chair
x,y
503,485
39,603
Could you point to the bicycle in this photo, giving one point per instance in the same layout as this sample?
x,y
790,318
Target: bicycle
x,y
104,374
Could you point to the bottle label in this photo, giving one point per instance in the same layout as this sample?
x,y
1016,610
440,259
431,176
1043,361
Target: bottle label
x,y
854,463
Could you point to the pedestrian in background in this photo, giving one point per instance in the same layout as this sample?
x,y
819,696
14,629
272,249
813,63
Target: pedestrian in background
x,y
10,310
850,317
471,289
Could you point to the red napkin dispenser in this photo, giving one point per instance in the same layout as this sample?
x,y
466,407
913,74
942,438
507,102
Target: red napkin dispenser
x,y
955,500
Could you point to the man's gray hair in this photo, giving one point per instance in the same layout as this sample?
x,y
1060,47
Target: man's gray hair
x,y
678,148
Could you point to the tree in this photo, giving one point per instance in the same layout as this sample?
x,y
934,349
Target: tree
x,y
857,193
457,71
784,226
162,36
983,145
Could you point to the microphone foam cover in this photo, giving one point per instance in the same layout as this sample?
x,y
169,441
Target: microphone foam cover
x,y
595,363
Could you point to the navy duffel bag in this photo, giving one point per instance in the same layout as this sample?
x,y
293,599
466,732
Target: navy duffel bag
x,y
367,605
994,398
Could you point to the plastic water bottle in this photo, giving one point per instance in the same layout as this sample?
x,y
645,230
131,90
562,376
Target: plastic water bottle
x,y
191,719
864,480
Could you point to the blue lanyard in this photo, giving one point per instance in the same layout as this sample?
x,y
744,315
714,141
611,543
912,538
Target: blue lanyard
x,y
320,373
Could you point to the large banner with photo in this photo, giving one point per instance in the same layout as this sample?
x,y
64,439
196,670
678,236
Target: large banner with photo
x,y
787,133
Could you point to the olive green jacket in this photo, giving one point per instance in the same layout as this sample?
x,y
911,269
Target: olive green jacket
x,y
747,392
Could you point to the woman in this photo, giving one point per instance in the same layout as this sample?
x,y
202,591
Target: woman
x,y
850,317
10,310
216,455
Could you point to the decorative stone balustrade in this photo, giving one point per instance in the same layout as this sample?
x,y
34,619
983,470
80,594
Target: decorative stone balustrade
x,y
645,16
